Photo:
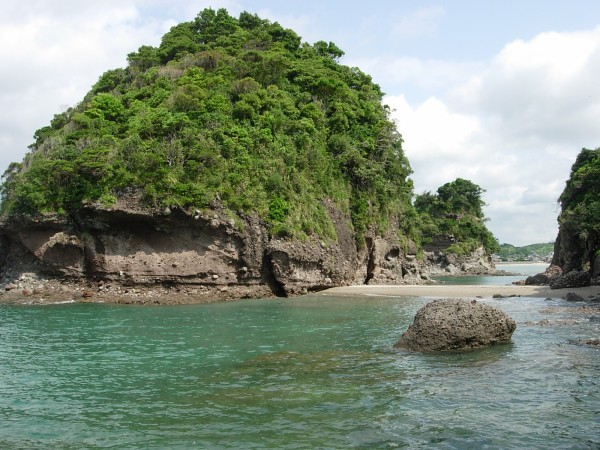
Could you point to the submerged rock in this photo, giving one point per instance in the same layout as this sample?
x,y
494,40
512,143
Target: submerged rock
x,y
573,297
452,324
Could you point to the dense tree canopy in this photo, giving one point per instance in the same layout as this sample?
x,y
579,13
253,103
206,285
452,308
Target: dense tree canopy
x,y
231,110
456,210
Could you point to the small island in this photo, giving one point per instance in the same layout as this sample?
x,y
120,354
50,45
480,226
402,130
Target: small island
x,y
235,161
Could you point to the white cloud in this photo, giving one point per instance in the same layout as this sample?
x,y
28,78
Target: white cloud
x,y
430,76
514,128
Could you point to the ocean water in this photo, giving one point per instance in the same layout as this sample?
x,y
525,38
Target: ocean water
x,y
310,372
520,271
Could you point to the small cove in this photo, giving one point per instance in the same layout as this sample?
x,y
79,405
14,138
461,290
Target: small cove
x,y
309,372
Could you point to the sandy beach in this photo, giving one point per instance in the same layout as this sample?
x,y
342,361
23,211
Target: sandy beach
x,y
457,291
75,293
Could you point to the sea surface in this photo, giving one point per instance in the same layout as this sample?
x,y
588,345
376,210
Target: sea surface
x,y
519,272
310,372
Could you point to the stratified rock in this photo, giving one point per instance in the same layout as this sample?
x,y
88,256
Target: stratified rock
x,y
573,279
131,245
452,324
439,262
553,271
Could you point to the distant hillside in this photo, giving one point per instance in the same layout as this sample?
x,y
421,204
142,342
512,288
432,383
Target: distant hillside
x,y
530,252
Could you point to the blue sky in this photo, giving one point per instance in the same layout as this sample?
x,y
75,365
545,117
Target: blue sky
x,y
503,93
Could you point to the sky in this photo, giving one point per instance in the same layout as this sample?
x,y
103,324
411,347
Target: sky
x,y
504,93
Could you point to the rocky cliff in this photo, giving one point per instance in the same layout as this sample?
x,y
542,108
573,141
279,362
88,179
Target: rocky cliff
x,y
577,246
128,246
439,261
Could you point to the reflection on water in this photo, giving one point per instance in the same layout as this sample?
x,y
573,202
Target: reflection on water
x,y
311,372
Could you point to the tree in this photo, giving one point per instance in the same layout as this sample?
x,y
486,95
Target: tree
x,y
462,197
182,38
579,219
329,50
209,25
145,58
456,210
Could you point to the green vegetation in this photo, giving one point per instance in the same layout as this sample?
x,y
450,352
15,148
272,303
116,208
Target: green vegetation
x,y
509,252
579,219
455,210
239,113
236,111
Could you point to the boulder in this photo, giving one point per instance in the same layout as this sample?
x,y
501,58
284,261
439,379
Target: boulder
x,y
454,324
540,279
553,271
573,279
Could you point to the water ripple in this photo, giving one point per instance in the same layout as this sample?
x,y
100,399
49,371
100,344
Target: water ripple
x,y
310,372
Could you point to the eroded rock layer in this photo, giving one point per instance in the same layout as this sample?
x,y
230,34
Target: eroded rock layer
x,y
137,247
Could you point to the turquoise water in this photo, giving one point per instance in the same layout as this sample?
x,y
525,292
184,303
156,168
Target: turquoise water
x,y
521,271
310,372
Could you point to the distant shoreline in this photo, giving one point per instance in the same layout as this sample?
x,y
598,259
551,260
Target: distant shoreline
x,y
541,263
455,291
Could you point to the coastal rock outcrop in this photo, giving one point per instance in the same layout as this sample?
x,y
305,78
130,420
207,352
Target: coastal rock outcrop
x,y
440,262
130,246
577,245
456,324
544,278
572,279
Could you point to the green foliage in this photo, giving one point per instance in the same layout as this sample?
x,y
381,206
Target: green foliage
x,y
580,204
510,252
328,49
278,210
238,111
455,210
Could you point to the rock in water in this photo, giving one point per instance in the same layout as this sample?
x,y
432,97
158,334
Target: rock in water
x,y
452,324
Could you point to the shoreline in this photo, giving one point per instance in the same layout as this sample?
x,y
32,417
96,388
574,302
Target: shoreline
x,y
465,290
147,296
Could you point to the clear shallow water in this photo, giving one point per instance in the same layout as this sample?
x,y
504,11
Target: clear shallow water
x,y
521,271
311,372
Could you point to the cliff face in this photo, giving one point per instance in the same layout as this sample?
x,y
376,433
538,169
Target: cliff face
x,y
439,262
577,245
134,247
